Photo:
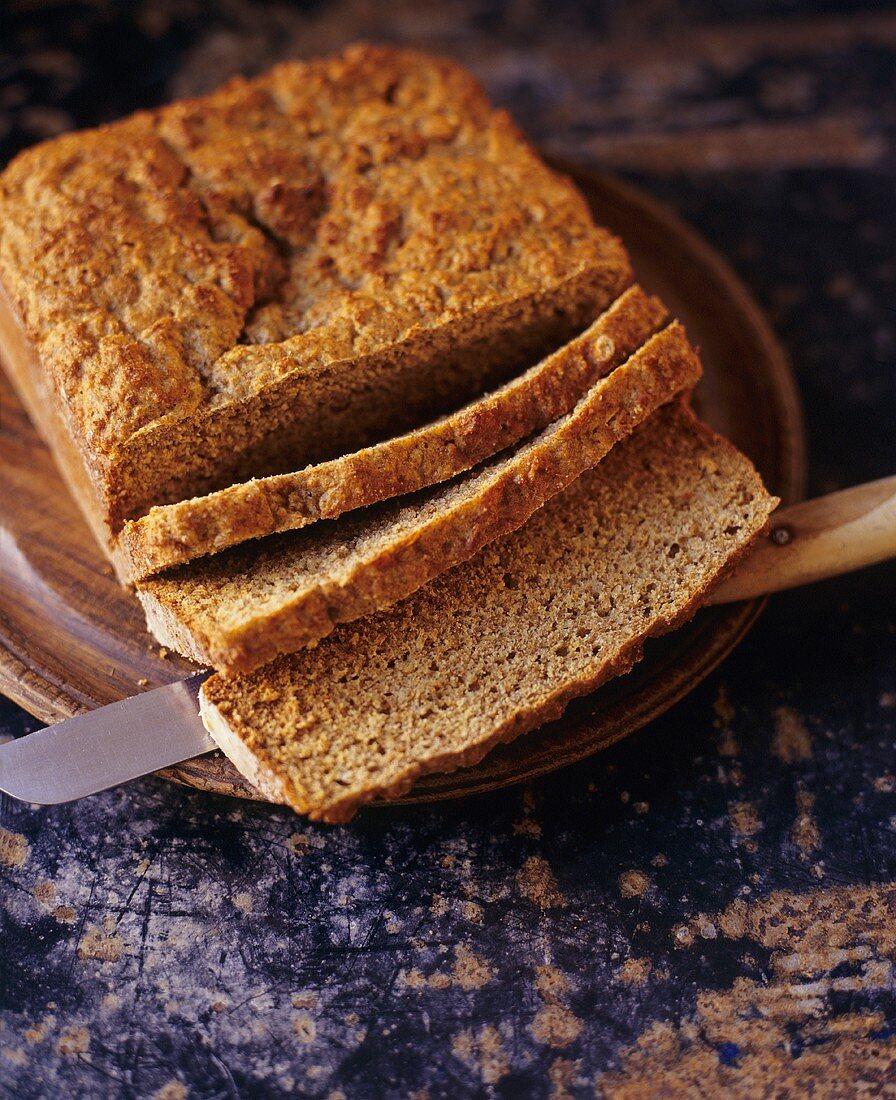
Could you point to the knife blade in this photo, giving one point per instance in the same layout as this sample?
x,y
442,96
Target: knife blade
x,y
111,745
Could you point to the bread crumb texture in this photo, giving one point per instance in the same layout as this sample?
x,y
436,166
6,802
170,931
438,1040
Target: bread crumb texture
x,y
501,644
238,610
221,270
173,534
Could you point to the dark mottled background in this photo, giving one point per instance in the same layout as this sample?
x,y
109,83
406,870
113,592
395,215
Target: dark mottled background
x,y
708,908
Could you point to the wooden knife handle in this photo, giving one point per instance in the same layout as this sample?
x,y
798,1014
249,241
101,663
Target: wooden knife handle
x,y
818,538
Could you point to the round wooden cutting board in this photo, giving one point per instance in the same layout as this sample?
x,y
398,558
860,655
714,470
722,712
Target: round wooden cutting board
x,y
72,639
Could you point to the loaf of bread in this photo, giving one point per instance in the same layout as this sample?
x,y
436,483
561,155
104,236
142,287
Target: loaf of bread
x,y
239,609
500,644
173,534
286,270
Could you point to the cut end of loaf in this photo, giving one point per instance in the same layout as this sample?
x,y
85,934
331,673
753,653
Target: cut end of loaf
x,y
175,534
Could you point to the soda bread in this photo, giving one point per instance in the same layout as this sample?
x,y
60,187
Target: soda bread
x,y
291,268
500,644
174,534
240,609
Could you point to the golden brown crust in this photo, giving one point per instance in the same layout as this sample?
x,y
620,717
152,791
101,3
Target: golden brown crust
x,y
174,534
19,361
240,609
430,686
225,270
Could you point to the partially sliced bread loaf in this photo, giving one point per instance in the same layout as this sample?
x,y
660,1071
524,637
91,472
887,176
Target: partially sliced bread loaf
x,y
242,608
284,270
502,643
174,534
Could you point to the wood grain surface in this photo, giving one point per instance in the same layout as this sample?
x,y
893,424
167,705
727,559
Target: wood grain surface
x,y
72,639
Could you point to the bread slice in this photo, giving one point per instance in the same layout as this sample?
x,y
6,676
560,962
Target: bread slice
x,y
242,608
283,271
500,644
174,534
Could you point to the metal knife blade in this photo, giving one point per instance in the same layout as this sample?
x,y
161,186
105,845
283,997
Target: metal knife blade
x,y
92,752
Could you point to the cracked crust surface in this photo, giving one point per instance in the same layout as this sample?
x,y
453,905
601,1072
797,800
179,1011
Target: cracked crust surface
x,y
242,608
173,534
502,643
258,276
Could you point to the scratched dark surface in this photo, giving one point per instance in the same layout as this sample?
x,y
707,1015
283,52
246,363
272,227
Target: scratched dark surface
x,y
709,908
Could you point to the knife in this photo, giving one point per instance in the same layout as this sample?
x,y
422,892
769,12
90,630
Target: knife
x,y
91,752
111,745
